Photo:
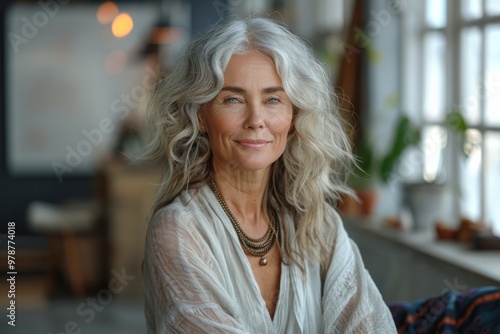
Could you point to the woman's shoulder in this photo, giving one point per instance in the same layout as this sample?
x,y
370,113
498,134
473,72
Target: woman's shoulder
x,y
186,208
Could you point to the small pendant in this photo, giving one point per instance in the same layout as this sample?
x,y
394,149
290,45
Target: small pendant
x,y
263,261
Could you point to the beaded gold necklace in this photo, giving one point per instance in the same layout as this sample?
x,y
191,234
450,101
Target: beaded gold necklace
x,y
256,247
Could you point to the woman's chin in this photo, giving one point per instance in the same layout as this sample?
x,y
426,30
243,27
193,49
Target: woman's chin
x,y
250,165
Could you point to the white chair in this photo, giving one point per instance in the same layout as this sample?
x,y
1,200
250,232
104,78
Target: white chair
x,y
62,223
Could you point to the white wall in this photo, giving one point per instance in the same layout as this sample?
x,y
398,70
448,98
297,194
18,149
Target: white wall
x,y
384,87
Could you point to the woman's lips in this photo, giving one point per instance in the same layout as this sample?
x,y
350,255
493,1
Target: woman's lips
x,y
250,143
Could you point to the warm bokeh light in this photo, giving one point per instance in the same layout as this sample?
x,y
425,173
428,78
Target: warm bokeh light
x,y
115,62
106,12
122,25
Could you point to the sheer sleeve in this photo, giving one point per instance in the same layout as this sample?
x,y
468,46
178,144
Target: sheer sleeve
x,y
351,301
183,286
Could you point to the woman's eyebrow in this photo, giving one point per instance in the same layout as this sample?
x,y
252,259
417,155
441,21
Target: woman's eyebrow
x,y
240,90
273,89
233,89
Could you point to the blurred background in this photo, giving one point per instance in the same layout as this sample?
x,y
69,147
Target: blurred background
x,y
418,85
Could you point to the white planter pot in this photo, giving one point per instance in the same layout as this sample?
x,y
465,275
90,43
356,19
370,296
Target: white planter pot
x,y
428,203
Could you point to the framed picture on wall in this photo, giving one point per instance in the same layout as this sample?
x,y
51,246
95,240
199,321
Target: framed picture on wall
x,y
70,81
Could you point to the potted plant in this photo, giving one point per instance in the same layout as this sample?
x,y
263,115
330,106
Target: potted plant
x,y
373,169
427,200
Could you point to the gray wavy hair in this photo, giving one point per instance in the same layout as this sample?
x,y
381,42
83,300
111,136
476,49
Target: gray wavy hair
x,y
309,176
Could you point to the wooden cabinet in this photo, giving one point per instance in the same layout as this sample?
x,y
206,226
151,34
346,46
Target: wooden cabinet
x,y
130,193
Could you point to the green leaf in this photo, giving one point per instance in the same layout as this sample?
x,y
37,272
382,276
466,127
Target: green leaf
x,y
406,135
456,122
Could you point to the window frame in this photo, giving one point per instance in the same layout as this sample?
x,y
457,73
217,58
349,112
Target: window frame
x,y
414,30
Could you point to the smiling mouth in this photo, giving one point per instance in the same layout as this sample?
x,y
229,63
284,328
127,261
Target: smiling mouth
x,y
253,143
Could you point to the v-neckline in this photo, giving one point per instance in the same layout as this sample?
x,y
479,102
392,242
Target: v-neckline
x,y
246,263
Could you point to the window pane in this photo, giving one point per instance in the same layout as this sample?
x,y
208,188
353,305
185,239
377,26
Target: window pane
x,y
472,9
493,7
434,76
435,13
470,177
492,151
471,75
492,84
434,141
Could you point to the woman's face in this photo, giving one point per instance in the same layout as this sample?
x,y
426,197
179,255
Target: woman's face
x,y
249,120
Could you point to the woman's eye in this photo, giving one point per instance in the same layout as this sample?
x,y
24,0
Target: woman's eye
x,y
273,100
231,100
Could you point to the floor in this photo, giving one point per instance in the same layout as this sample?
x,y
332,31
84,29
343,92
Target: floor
x,y
60,314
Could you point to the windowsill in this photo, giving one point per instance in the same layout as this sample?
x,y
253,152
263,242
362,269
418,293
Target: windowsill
x,y
485,264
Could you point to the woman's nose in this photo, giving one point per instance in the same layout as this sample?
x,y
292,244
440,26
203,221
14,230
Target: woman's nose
x,y
254,117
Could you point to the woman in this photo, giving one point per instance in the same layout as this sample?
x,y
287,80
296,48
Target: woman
x,y
243,237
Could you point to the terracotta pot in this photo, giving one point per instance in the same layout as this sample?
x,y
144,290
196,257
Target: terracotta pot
x,y
369,200
348,206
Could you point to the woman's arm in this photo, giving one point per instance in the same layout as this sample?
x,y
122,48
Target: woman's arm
x,y
182,282
351,301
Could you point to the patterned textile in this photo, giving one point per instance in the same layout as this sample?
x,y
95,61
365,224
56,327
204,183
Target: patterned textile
x,y
477,311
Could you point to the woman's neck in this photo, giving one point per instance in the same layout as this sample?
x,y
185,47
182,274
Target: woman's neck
x,y
244,193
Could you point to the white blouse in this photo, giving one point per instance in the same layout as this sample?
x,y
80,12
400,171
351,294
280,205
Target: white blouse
x,y
197,279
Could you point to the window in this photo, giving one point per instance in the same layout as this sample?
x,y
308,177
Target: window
x,y
451,58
